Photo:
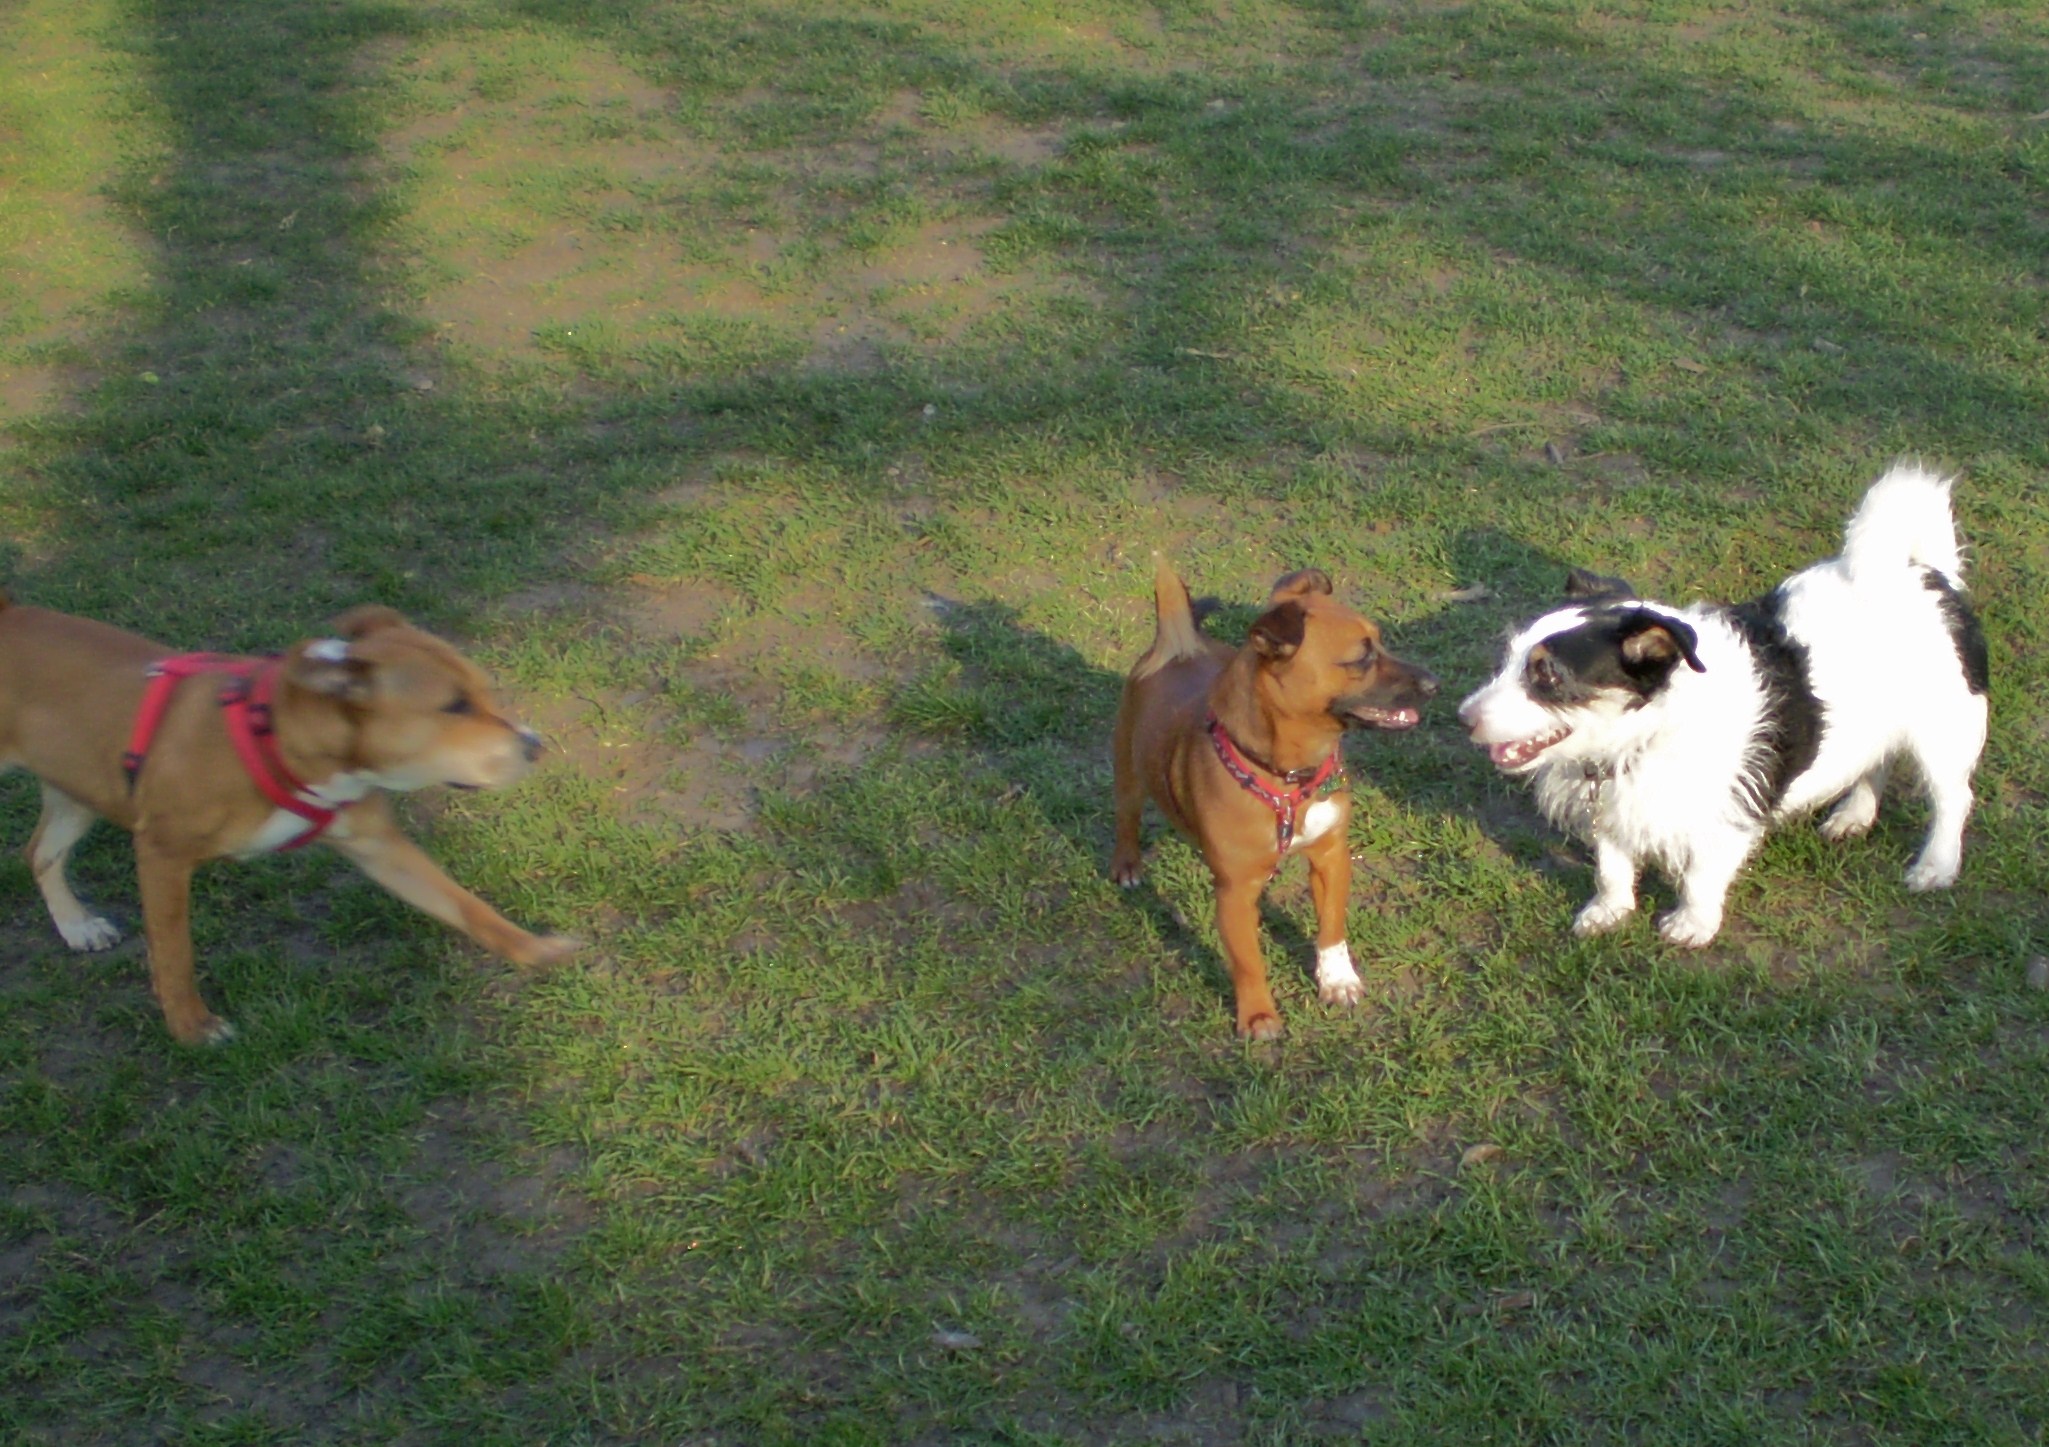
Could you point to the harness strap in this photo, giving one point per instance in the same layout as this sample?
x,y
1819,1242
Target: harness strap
x,y
249,685
1302,784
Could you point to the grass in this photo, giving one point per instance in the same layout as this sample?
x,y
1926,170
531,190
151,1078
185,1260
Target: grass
x,y
784,400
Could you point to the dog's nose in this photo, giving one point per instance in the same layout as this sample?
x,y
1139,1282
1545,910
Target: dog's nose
x,y
530,744
1426,683
1465,713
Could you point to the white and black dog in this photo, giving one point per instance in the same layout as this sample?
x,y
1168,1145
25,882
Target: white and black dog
x,y
1678,736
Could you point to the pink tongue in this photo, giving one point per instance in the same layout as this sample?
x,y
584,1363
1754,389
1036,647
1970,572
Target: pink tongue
x,y
1515,755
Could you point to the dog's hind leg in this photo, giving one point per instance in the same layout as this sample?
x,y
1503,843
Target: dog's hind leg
x,y
1857,810
1947,757
63,824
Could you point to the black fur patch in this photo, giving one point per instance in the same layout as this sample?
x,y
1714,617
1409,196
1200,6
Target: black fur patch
x,y
1589,658
1964,631
1790,734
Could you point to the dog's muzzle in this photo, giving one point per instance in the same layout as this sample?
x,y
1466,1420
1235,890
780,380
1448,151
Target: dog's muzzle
x,y
1390,704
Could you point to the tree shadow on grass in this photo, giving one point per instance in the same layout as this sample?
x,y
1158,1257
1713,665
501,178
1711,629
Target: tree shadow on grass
x,y
277,437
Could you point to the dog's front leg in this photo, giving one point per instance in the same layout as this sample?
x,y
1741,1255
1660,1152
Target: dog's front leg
x,y
1614,890
1330,887
1703,889
165,877
1238,924
372,839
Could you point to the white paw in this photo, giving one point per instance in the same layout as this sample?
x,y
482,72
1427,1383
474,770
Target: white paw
x,y
90,934
1341,992
1688,930
1337,983
1925,874
1599,916
1847,822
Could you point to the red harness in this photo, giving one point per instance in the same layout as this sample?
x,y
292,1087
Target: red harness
x,y
246,694
1302,784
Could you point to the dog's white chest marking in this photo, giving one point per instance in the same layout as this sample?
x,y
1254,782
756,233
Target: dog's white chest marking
x,y
1314,822
283,826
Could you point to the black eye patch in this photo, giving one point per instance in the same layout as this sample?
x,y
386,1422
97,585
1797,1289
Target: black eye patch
x,y
1595,656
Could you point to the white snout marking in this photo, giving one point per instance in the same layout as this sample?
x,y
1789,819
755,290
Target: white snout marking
x,y
1316,821
328,650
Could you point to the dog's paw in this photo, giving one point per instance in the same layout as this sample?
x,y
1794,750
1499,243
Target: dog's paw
x,y
1847,822
1688,930
1599,916
207,1030
549,950
1337,982
1263,1026
91,934
1925,874
1126,872
1347,993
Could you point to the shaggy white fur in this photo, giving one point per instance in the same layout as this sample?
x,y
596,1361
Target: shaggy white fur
x,y
1676,737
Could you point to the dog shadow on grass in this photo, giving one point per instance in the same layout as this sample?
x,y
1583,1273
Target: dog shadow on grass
x,y
1041,715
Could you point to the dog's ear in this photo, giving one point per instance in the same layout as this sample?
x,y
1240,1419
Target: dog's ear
x,y
1277,632
1300,584
1655,641
1581,584
367,618
327,666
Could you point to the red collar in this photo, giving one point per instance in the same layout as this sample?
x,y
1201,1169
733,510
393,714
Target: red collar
x,y
250,685
1302,784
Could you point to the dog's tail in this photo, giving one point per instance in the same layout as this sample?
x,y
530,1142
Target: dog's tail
x,y
1904,521
1177,628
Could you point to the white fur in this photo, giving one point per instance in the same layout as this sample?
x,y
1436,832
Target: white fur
x,y
328,650
283,826
1663,783
1337,982
1314,822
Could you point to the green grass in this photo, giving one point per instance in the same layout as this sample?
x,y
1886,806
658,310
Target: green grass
x,y
784,401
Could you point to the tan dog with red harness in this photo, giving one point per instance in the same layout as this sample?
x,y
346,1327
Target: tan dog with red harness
x,y
1239,748
240,756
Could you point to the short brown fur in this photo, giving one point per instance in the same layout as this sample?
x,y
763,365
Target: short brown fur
x,y
1309,667
398,708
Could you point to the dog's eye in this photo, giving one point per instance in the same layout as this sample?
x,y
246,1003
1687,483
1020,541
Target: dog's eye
x,y
460,706
1365,658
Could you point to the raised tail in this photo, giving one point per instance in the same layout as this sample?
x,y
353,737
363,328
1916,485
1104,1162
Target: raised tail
x,y
1177,632
1904,521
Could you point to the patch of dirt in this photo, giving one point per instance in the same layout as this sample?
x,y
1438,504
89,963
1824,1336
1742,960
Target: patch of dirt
x,y
1027,146
27,390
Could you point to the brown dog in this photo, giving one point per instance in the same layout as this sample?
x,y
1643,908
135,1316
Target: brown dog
x,y
286,749
1239,748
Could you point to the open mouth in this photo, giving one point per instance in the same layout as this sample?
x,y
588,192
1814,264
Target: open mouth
x,y
1383,718
1523,752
